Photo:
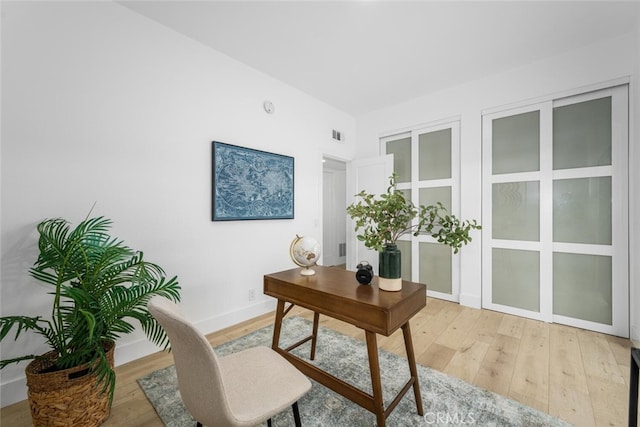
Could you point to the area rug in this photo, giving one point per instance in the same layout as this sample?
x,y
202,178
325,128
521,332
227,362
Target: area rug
x,y
447,400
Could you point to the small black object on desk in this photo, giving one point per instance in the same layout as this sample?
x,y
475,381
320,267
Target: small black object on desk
x,y
364,274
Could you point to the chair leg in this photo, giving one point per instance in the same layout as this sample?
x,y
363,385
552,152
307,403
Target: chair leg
x,y
198,424
296,414
269,422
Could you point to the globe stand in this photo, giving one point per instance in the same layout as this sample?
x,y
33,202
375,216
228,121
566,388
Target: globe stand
x,y
306,271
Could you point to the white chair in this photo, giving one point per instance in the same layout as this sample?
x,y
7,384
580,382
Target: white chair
x,y
241,389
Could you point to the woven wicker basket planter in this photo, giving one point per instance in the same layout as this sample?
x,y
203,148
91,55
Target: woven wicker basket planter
x,y
66,398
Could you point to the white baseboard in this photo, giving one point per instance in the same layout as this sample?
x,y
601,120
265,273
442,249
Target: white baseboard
x,y
16,390
469,300
13,391
233,317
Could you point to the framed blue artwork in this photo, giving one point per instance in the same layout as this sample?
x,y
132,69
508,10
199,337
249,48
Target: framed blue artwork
x,y
251,184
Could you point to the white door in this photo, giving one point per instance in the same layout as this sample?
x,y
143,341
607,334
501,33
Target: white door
x,y
334,221
371,175
555,211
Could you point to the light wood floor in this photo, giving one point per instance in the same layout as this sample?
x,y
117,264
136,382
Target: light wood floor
x,y
579,376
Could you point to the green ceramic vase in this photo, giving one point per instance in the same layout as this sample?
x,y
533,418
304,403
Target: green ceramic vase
x,y
390,262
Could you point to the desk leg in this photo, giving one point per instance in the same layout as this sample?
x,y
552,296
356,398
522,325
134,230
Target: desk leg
x,y
408,343
277,325
316,318
374,367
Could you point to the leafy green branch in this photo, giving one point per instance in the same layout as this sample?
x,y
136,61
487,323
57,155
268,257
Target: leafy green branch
x,y
385,218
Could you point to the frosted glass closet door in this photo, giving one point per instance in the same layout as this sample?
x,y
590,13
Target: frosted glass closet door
x,y
515,212
582,210
555,211
426,161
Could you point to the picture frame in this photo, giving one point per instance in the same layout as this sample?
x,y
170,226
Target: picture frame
x,y
250,184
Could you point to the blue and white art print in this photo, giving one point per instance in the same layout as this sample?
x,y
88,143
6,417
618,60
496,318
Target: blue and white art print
x,y
251,184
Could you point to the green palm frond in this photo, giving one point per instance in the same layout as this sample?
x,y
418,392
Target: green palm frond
x,y
21,324
131,302
101,287
106,375
6,362
117,268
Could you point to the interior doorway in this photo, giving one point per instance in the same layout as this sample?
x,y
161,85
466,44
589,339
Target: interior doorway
x,y
334,215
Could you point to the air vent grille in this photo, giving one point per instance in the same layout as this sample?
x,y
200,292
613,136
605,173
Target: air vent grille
x,y
338,136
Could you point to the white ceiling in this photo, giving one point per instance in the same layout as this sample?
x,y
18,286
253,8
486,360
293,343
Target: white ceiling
x,y
363,55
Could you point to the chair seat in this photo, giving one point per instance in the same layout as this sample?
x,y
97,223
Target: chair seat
x,y
281,384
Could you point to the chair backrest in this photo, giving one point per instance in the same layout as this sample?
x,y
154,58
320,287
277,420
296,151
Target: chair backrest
x,y
196,363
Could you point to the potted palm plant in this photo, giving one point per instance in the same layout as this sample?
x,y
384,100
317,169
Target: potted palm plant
x,y
98,286
384,219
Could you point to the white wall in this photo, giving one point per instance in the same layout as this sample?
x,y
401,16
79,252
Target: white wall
x,y
102,105
608,60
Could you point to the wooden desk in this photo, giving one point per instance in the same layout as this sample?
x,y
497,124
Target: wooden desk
x,y
336,293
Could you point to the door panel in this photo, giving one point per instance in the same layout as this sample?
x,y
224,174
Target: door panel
x,y
430,196
434,155
516,278
583,278
582,210
516,143
401,150
516,211
582,134
436,267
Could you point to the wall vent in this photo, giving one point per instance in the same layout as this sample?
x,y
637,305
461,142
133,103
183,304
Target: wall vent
x,y
338,136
